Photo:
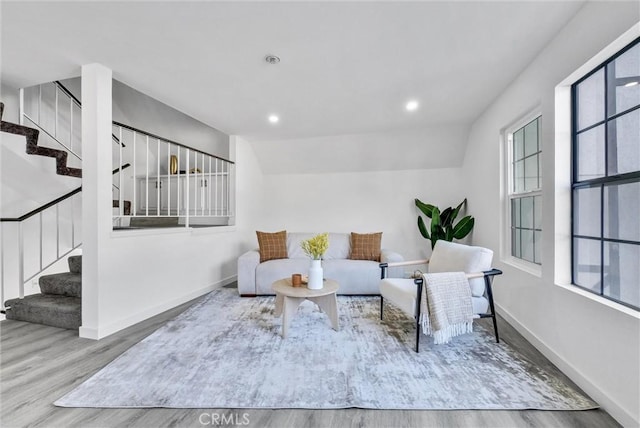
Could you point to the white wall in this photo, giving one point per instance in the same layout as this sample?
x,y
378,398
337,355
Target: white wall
x,y
433,146
132,275
378,201
250,194
597,345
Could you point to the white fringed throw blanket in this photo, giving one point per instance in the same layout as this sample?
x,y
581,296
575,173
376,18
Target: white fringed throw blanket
x,y
446,309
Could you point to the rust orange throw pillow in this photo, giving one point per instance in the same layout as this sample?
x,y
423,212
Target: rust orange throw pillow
x,y
272,245
365,246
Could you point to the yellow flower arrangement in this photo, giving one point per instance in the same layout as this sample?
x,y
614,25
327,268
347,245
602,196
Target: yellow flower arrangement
x,y
316,247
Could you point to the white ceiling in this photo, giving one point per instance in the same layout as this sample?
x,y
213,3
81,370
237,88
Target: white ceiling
x,y
347,68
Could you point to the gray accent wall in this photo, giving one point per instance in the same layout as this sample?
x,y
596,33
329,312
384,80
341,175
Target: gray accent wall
x,y
141,111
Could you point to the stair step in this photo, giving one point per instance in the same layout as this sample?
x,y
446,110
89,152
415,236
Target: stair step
x,y
62,284
75,264
33,148
56,311
151,222
126,206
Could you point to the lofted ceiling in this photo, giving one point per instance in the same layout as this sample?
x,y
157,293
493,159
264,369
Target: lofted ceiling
x,y
347,68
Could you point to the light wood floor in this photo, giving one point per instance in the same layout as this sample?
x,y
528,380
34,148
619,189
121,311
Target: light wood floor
x,y
39,364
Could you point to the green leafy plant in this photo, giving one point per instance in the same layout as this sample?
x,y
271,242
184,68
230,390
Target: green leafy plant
x,y
316,247
443,225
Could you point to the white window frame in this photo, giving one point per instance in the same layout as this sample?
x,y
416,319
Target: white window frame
x,y
510,194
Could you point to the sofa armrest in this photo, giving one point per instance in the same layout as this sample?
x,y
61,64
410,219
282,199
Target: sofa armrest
x,y
247,264
388,256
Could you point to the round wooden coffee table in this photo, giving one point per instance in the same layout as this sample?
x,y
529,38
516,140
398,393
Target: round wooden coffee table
x,y
288,298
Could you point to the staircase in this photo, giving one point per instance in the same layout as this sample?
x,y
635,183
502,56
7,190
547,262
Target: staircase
x,y
33,148
59,304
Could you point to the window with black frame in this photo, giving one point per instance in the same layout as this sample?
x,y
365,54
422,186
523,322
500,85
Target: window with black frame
x,y
606,179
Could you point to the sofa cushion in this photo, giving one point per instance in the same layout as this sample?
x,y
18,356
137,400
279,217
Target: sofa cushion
x,y
294,249
272,245
365,246
353,276
339,245
453,257
270,271
403,292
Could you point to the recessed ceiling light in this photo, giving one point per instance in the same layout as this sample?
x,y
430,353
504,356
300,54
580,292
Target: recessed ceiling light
x,y
272,59
412,105
630,84
273,118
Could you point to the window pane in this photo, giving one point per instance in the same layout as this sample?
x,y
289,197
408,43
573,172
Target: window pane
x,y
518,180
622,211
515,212
515,243
624,143
622,72
527,245
527,213
518,144
590,149
540,171
537,237
622,272
537,212
590,94
586,211
586,263
531,138
531,173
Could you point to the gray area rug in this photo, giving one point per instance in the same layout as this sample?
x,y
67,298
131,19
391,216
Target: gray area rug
x,y
227,352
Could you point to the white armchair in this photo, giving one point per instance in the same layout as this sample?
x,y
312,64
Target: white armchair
x,y
446,257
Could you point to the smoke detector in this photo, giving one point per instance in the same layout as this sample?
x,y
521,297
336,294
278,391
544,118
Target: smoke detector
x,y
272,59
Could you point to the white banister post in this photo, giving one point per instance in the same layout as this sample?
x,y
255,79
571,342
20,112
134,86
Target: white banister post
x,y
20,261
187,203
21,118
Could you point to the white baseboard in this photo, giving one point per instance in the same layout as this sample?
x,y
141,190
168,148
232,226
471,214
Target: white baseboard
x,y
109,329
618,413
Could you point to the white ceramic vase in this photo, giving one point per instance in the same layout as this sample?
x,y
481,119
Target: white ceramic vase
x,y
315,275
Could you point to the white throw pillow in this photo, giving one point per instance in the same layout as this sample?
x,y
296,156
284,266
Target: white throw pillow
x,y
339,245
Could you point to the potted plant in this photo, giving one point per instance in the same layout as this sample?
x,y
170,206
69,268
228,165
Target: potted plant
x,y
443,223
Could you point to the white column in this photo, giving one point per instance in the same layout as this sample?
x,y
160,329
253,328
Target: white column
x,y
96,192
233,147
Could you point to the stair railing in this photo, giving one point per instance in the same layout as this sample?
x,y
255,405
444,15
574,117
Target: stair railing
x,y
171,180
32,235
55,111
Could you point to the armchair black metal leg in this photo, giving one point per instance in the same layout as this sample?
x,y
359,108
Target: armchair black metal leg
x,y
418,300
493,309
495,327
381,306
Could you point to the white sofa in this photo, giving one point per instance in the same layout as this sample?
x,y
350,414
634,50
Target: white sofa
x,y
354,277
